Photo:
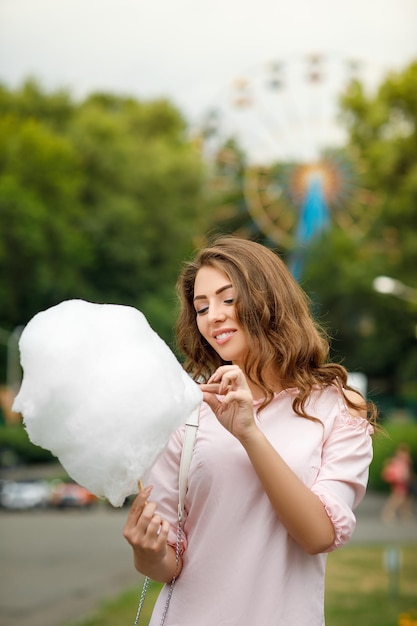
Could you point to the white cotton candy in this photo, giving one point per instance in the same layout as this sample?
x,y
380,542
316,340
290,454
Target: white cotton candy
x,y
103,392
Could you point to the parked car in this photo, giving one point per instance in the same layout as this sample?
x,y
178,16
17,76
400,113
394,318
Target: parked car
x,y
23,495
65,495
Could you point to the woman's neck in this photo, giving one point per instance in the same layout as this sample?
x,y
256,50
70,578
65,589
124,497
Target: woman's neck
x,y
271,380
272,383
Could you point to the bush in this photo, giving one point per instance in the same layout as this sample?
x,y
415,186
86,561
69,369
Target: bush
x,y
385,442
15,444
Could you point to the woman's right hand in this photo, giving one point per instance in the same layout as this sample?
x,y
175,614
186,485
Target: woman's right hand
x,y
235,409
147,533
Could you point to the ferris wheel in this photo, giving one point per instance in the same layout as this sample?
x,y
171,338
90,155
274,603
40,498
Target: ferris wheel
x,y
284,116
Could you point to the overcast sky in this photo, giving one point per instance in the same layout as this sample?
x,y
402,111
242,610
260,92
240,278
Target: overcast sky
x,y
187,50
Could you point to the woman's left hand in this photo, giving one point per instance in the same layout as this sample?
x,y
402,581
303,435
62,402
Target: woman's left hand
x,y
235,409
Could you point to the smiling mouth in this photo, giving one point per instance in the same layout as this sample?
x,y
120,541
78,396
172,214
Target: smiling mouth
x,y
224,335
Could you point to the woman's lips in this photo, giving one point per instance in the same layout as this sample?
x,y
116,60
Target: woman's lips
x,y
223,336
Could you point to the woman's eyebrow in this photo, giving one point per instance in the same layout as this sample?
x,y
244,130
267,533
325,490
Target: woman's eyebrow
x,y
203,297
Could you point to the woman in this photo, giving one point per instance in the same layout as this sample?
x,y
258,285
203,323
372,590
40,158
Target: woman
x,y
281,456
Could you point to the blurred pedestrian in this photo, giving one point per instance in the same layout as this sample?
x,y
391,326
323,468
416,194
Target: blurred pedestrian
x,y
398,473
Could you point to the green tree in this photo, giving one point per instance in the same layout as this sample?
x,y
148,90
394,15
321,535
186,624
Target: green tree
x,y
374,332
42,250
383,133
142,199
100,200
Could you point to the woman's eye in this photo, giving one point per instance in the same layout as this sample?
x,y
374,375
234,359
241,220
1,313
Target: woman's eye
x,y
230,301
201,311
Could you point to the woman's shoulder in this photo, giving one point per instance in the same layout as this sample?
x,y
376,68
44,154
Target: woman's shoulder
x,y
359,410
334,403
328,395
345,416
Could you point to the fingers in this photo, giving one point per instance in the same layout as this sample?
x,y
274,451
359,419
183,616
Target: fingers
x,y
229,373
157,529
142,497
151,531
226,379
144,528
137,506
226,372
211,399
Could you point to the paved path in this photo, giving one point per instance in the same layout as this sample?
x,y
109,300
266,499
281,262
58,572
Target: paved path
x,y
370,528
55,566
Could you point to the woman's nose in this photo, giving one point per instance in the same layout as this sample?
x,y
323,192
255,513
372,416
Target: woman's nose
x,y
216,313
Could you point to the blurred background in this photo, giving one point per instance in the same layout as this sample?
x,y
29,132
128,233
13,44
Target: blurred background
x,y
132,131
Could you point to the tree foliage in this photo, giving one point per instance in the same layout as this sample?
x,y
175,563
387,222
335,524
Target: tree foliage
x,y
383,131
99,200
374,332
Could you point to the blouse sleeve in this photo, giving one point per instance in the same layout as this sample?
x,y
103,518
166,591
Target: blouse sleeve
x,y
164,477
343,476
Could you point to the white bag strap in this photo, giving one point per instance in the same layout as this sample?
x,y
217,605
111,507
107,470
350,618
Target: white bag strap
x,y
191,426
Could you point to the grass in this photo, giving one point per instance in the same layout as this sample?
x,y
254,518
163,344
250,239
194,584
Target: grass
x,y
122,610
358,591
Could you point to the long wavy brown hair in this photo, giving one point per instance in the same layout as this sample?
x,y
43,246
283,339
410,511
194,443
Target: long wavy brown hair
x,y
282,335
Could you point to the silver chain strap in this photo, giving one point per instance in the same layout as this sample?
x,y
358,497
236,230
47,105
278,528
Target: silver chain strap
x,y
146,582
142,599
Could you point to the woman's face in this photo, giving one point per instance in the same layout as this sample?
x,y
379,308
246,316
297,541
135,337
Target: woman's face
x,y
214,303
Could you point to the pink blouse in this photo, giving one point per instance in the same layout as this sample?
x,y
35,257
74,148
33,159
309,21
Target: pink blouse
x,y
240,566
